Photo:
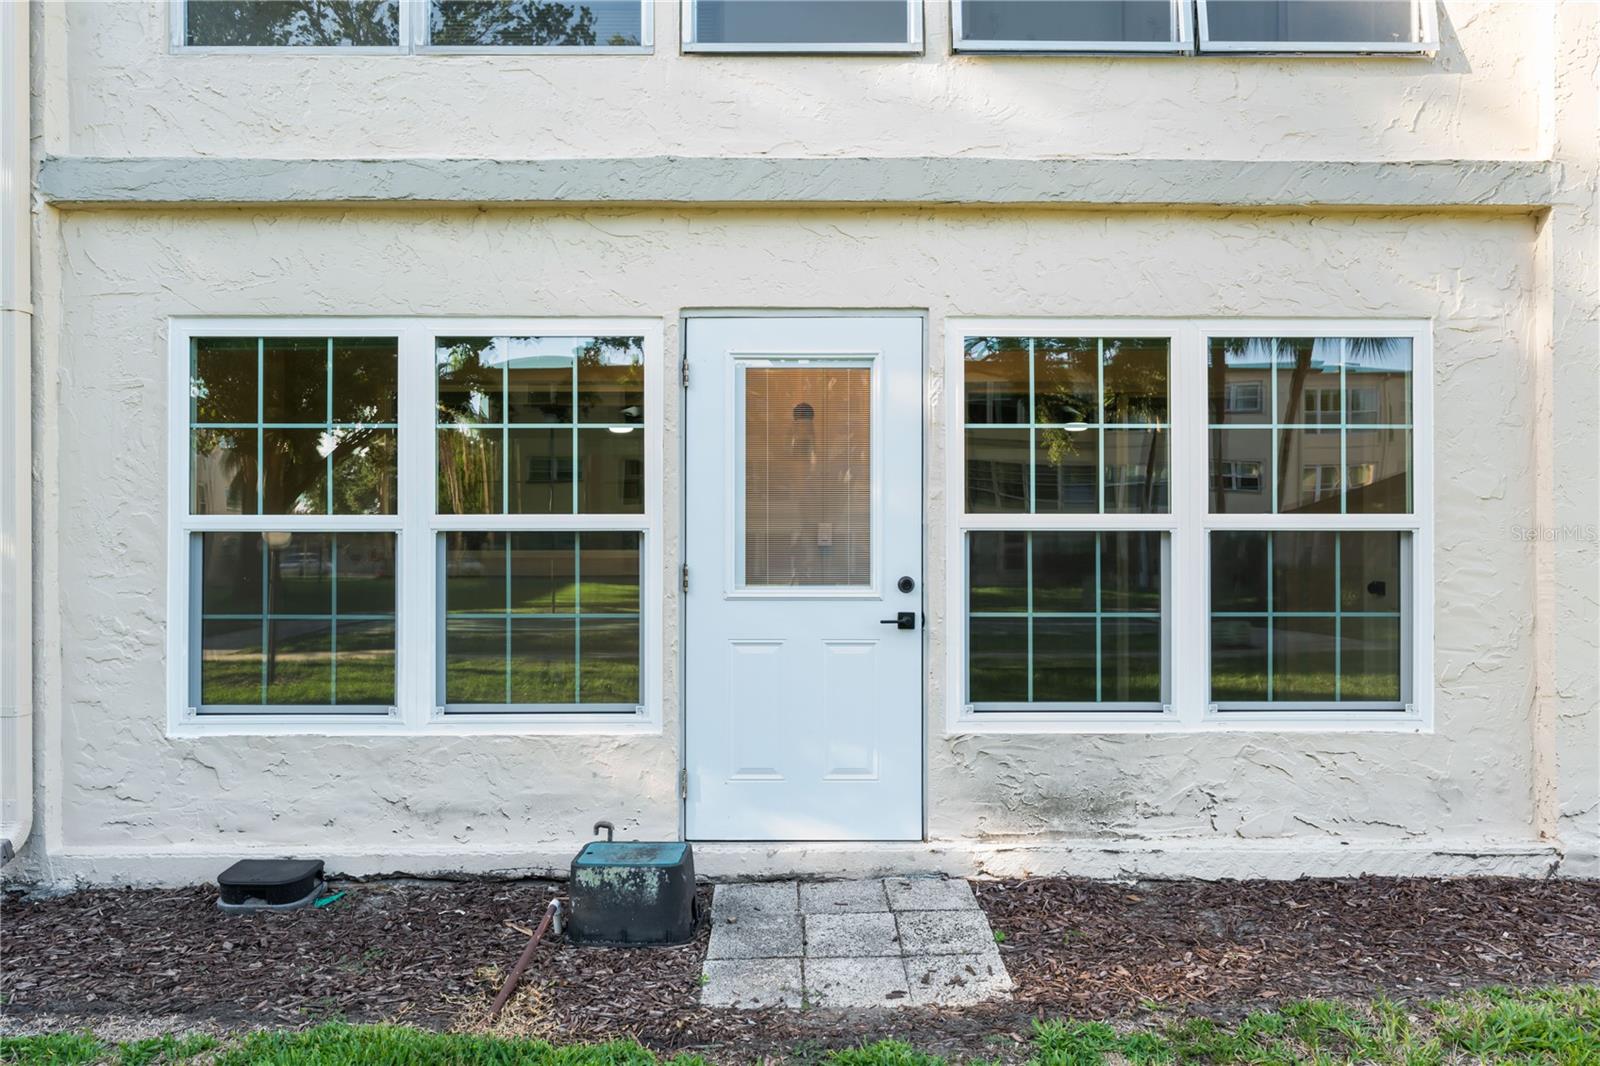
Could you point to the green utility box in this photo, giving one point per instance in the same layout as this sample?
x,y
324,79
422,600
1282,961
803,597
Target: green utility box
x,y
633,893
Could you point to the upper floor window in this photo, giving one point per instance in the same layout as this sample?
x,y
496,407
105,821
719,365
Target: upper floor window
x,y
1170,25
416,25
802,26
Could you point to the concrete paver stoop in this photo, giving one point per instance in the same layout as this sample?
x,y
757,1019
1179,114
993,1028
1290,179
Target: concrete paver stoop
x,y
878,943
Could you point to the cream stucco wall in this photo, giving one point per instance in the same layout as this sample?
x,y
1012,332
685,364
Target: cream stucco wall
x,y
129,796
1478,98
1509,779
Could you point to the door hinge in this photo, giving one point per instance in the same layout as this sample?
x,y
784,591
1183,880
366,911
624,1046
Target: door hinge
x,y
686,577
683,784
686,373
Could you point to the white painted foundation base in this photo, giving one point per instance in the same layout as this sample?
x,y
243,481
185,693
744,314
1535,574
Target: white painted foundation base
x,y
727,862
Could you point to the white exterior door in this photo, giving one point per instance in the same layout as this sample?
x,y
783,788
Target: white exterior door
x,y
803,471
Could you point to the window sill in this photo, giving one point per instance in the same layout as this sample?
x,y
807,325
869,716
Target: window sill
x,y
237,725
1210,722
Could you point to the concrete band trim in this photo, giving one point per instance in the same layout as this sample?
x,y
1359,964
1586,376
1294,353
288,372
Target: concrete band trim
x,y
68,181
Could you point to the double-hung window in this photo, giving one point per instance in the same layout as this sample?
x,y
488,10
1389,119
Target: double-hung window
x,y
1187,525
408,524
1155,26
416,25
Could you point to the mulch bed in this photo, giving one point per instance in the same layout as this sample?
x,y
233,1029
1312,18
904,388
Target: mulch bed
x,y
433,954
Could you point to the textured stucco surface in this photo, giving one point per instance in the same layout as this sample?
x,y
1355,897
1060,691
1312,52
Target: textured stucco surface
x,y
126,790
77,180
1476,99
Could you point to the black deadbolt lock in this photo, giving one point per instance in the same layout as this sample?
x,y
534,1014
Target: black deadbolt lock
x,y
905,584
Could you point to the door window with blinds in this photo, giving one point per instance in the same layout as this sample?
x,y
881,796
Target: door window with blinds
x,y
804,473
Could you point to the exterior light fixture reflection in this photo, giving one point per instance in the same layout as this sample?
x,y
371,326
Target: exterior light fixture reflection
x,y
1076,427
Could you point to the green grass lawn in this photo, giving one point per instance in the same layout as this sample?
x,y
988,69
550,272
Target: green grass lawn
x,y
1556,1026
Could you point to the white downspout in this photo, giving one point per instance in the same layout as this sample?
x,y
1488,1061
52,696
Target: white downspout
x,y
16,462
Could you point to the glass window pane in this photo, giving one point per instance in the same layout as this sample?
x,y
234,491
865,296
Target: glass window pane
x,y
540,468
1369,571
998,471
292,23
471,380
282,613
475,572
230,662
997,572
366,379
611,380
1378,380
1066,388
1067,471
471,471
997,663
364,656
534,23
366,470
1239,381
1239,571
610,573
295,478
1239,659
475,660
1136,471
996,380
807,476
611,470
1130,572
1369,652
608,662
1064,660
1378,471
294,379
1312,21
1241,471
800,22
1063,572
299,662
222,469
1302,659
1067,21
222,384
544,578
539,379
543,663
1303,571
1130,660
1307,372
365,573
1135,373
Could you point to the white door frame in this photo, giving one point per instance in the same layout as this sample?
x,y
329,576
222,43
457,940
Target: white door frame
x,y
684,317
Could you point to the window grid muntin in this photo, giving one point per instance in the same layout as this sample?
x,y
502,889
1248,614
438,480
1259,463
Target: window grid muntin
x,y
505,426
1099,425
1399,616
268,616
1099,615
576,616
1273,426
260,426
1189,525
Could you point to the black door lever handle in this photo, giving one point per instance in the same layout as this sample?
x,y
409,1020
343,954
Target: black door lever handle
x,y
903,620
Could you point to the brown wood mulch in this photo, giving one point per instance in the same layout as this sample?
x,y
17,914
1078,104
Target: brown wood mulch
x,y
433,954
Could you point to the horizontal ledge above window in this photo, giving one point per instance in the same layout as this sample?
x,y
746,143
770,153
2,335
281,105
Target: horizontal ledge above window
x,y
1496,184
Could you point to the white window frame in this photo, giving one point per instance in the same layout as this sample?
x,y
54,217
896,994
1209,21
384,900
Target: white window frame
x,y
912,45
1182,41
417,528
1188,527
1425,19
414,28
